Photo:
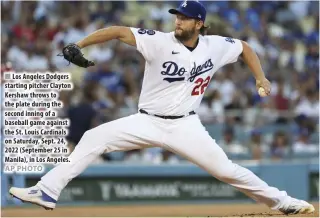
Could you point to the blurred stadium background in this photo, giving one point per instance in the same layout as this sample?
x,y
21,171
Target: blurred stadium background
x,y
280,128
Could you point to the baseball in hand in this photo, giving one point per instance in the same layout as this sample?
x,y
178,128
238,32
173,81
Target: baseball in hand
x,y
262,92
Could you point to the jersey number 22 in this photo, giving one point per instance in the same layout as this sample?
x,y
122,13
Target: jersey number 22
x,y
201,85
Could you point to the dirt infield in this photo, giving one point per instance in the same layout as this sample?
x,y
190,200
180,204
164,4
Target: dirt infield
x,y
216,210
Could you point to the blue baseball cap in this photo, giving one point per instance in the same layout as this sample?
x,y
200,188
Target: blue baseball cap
x,y
192,9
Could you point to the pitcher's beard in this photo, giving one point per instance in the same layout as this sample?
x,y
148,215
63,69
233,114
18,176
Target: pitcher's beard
x,y
185,35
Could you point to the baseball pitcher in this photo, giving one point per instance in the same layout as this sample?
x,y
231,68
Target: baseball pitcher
x,y
179,66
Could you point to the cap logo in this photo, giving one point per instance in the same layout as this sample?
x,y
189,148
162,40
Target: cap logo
x,y
184,4
199,15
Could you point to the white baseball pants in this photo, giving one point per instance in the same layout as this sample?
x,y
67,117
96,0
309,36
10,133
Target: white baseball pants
x,y
186,137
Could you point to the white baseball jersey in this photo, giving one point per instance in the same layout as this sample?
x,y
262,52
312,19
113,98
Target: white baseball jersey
x,y
175,78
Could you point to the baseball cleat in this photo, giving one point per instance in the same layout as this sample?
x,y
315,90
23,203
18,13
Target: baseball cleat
x,y
34,195
298,207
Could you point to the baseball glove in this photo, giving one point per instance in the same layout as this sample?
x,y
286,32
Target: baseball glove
x,y
73,54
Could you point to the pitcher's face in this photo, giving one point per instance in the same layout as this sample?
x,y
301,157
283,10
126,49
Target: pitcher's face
x,y
185,27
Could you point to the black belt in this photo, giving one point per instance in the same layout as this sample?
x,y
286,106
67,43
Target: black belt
x,y
167,117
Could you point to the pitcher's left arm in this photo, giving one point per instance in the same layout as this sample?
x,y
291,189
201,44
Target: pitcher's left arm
x,y
253,62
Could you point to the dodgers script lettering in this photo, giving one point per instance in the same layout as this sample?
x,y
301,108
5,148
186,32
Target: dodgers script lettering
x,y
172,69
